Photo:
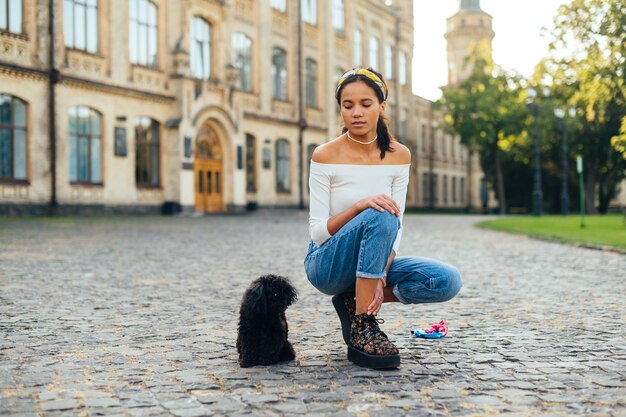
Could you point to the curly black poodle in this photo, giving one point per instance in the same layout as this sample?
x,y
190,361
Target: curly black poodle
x,y
262,334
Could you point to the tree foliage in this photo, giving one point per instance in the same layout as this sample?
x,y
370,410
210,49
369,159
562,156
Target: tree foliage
x,y
592,77
488,113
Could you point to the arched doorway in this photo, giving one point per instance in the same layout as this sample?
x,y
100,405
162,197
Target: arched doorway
x,y
208,172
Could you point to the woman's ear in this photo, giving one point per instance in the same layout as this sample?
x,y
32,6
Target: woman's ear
x,y
383,106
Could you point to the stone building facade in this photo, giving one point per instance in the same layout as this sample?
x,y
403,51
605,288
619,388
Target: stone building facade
x,y
137,104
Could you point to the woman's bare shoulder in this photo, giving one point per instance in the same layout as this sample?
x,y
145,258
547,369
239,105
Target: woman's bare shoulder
x,y
327,152
401,154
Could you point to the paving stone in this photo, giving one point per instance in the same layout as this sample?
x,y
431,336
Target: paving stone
x,y
59,405
102,402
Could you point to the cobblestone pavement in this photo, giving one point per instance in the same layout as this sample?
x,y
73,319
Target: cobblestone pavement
x,y
137,317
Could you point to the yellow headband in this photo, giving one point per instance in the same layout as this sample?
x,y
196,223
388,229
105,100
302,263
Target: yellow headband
x,y
369,74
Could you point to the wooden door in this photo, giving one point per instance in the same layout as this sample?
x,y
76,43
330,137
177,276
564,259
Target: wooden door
x,y
209,177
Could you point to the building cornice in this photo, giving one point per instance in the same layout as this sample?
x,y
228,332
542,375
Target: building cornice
x,y
20,71
279,120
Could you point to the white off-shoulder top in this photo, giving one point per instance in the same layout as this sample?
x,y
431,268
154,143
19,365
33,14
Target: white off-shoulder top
x,y
336,187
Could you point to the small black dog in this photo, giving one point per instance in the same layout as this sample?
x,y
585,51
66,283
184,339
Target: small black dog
x,y
262,335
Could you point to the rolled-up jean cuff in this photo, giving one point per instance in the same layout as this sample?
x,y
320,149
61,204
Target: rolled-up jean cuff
x,y
380,275
396,292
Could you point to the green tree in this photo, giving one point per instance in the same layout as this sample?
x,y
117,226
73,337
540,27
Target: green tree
x,y
487,111
592,76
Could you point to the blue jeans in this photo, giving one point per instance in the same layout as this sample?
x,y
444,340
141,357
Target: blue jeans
x,y
361,248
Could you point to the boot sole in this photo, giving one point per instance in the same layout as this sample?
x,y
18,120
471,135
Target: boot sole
x,y
344,317
366,360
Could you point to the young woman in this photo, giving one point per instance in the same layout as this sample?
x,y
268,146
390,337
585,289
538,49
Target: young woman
x,y
358,185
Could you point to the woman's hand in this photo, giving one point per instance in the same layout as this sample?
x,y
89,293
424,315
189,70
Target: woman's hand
x,y
380,202
379,297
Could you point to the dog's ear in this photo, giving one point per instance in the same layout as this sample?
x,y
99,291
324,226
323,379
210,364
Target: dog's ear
x,y
255,304
292,294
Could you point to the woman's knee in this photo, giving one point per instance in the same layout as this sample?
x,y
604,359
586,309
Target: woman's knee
x,y
434,287
382,221
450,283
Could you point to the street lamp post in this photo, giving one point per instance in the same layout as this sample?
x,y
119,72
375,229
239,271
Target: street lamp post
x,y
537,193
561,124
559,113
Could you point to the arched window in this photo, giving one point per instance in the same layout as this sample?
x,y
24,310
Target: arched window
x,y
373,52
282,166
85,145
147,153
279,73
80,24
142,39
11,16
200,48
12,138
311,82
242,59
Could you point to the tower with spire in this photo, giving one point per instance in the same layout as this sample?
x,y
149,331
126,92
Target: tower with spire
x,y
468,29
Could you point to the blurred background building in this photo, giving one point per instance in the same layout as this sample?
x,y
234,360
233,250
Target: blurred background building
x,y
209,105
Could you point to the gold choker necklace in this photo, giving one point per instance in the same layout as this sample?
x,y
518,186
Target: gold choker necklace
x,y
358,141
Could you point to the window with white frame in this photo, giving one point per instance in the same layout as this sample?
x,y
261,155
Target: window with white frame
x,y
388,61
85,145
80,24
279,73
358,48
402,68
339,16
282,166
311,82
11,16
309,11
200,48
13,138
373,53
242,59
280,5
142,37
